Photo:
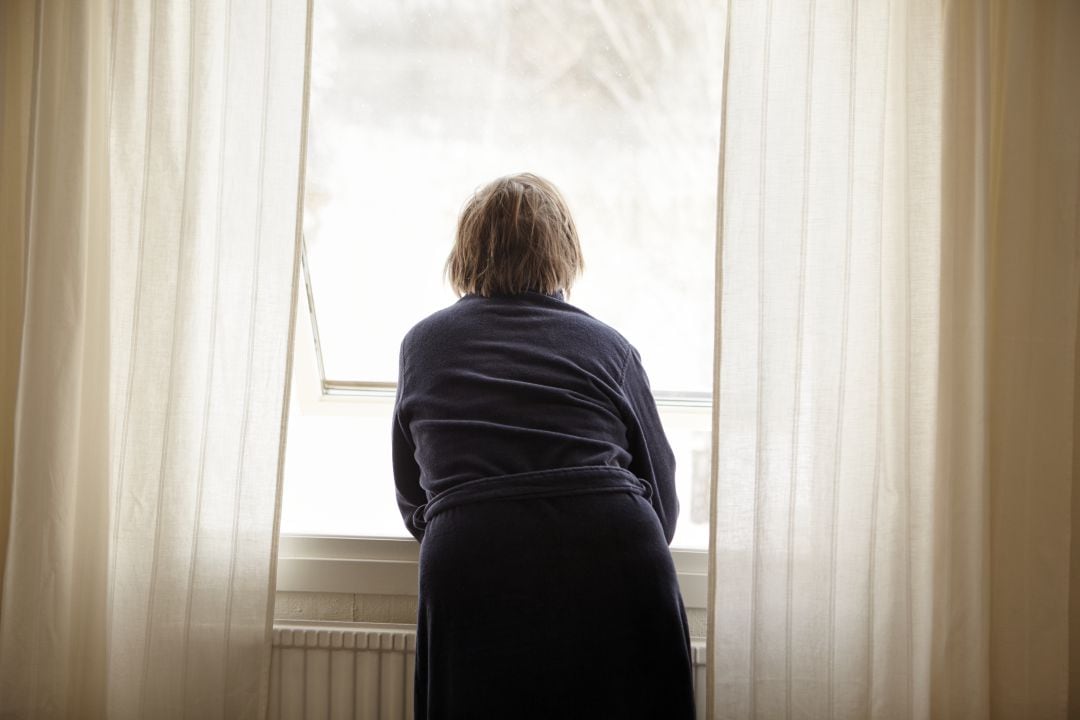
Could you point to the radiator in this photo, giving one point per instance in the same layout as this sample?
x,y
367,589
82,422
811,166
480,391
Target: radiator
x,y
361,672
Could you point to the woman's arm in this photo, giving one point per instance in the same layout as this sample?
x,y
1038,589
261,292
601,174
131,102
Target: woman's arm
x,y
410,495
651,457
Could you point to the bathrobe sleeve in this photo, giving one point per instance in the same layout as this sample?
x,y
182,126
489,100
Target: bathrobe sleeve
x,y
651,457
410,495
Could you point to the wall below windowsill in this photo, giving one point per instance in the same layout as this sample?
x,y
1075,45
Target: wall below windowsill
x,y
350,607
344,607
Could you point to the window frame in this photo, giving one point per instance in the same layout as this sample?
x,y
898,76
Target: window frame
x,y
390,566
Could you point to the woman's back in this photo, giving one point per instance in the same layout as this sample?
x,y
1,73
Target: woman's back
x,y
494,386
520,383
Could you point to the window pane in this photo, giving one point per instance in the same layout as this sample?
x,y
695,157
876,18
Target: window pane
x,y
414,104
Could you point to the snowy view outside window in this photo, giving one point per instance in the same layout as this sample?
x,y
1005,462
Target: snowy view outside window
x,y
417,103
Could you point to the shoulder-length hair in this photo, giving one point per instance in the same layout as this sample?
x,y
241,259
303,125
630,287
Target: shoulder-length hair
x,y
514,235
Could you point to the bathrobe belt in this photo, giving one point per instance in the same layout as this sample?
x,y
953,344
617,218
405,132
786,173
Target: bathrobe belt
x,y
542,483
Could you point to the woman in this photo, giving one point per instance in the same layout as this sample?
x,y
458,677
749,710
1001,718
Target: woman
x,y
531,464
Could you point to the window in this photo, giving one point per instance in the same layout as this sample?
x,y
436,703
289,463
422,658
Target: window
x,y
414,104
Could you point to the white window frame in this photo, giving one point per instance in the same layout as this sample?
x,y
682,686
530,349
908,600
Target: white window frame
x,y
390,566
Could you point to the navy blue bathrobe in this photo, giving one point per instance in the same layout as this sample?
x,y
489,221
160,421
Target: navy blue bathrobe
x,y
531,464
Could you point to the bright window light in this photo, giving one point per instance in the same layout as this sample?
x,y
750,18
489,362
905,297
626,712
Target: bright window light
x,y
415,104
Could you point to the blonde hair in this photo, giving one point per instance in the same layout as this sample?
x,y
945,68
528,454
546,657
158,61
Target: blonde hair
x,y
515,234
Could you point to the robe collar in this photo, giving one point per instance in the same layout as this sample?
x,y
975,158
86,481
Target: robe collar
x,y
557,295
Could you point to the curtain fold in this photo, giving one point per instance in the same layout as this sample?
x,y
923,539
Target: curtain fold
x,y
1034,237
897,321
52,634
161,209
959,652
16,74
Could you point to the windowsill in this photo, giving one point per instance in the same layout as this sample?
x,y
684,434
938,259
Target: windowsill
x,y
389,566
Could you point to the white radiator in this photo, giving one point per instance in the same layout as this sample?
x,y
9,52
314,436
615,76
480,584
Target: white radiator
x,y
361,672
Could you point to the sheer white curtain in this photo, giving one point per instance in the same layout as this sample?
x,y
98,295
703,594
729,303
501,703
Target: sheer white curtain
x,y
159,166
898,254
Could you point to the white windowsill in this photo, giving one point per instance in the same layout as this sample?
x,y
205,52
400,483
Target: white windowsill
x,y
388,566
